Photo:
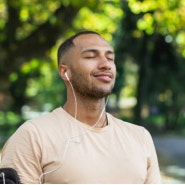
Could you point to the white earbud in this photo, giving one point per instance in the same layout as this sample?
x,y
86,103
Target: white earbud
x,y
66,76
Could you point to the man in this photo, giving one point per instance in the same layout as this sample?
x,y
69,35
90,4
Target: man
x,y
80,142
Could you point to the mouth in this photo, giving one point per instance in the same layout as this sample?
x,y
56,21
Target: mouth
x,y
104,76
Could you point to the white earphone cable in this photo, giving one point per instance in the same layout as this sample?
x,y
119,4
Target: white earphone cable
x,y
101,114
70,139
76,107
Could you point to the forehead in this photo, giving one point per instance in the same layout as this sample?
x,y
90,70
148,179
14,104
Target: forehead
x,y
91,41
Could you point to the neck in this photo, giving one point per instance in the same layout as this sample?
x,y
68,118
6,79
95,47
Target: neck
x,y
90,112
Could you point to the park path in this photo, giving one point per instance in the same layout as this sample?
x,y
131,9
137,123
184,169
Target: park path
x,y
171,155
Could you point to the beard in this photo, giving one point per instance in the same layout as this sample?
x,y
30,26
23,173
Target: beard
x,y
82,86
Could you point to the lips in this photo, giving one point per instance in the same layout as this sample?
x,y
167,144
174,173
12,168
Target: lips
x,y
104,76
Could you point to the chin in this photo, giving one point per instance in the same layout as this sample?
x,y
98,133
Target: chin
x,y
101,94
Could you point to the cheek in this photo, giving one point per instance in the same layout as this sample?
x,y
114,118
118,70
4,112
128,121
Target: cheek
x,y
114,70
86,68
86,65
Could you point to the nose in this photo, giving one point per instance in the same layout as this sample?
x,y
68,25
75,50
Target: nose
x,y
104,63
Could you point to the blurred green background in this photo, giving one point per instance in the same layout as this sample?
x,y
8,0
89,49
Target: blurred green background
x,y
149,41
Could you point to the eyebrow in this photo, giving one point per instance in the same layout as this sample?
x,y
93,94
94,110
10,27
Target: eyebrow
x,y
95,51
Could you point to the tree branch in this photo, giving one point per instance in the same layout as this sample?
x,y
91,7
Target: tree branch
x,y
41,40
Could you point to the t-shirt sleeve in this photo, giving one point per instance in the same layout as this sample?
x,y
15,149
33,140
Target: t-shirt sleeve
x,y
153,172
23,153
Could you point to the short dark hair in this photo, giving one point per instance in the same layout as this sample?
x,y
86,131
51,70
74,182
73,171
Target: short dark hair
x,y
67,44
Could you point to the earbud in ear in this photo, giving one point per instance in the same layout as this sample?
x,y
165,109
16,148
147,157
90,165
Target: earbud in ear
x,y
66,76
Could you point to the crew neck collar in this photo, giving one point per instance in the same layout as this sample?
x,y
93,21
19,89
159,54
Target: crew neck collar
x,y
86,126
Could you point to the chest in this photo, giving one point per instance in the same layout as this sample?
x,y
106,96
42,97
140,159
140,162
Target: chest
x,y
100,158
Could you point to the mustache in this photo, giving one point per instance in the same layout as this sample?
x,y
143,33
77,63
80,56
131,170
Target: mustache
x,y
105,72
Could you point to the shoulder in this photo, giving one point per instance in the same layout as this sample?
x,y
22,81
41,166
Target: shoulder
x,y
42,126
45,128
136,135
47,118
50,119
124,124
130,129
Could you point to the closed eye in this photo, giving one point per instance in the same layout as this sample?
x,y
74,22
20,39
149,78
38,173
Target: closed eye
x,y
112,59
110,56
88,57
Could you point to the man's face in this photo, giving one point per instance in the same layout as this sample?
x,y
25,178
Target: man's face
x,y
93,69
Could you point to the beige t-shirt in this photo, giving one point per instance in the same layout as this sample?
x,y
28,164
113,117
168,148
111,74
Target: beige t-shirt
x,y
56,148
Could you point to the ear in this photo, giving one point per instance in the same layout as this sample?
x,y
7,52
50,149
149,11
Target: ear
x,y
62,69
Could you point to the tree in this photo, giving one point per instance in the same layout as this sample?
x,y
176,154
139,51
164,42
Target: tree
x,y
152,34
18,46
30,31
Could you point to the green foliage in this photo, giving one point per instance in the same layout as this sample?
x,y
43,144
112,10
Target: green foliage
x,y
10,117
8,123
148,37
166,17
103,19
30,32
151,35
